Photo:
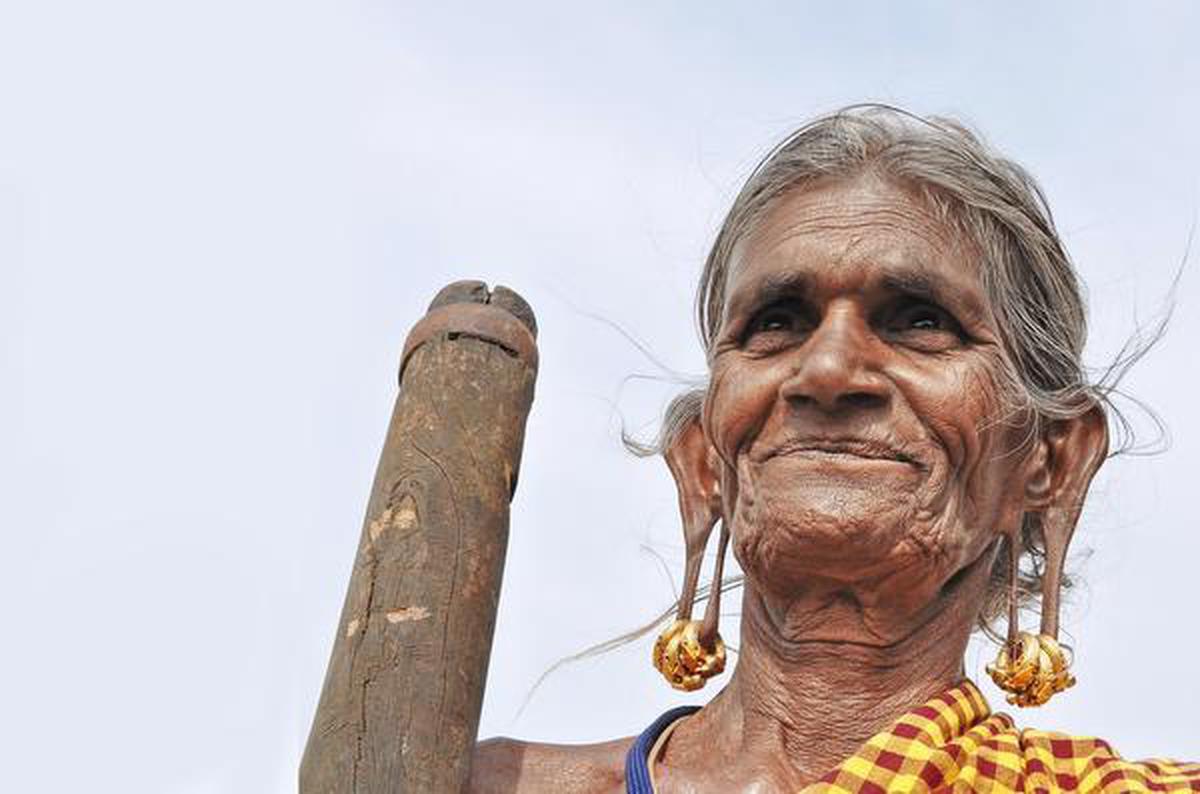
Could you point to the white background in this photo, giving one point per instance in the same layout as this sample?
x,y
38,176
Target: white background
x,y
219,219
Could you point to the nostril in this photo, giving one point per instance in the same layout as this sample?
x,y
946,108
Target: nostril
x,y
846,401
861,399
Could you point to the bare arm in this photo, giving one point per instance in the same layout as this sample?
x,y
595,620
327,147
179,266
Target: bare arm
x,y
508,766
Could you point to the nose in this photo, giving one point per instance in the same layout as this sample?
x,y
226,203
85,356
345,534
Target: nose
x,y
835,368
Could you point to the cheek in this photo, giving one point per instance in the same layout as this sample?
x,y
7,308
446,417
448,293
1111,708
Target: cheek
x,y
960,405
738,404
982,439
992,432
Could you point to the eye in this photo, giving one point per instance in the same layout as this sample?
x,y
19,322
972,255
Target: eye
x,y
776,326
774,320
925,318
925,325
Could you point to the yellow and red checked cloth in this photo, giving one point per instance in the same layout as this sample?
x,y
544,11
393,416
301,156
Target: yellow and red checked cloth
x,y
953,743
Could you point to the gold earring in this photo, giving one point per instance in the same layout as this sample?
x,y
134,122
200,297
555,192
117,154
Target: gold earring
x,y
1032,669
689,652
683,660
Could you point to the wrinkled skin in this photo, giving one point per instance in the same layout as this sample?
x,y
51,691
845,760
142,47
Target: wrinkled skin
x,y
867,465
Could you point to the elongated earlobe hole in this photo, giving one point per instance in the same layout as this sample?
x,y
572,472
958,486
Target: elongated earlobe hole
x,y
696,531
709,635
689,652
683,656
1032,669
1014,561
1057,537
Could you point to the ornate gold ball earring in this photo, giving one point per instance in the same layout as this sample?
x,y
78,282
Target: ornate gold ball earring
x,y
689,652
1033,668
683,660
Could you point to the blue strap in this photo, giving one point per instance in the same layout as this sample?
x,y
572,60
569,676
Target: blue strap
x,y
637,773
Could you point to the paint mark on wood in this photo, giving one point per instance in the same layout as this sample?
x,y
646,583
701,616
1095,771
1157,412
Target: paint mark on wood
x,y
407,613
380,523
352,628
406,513
403,517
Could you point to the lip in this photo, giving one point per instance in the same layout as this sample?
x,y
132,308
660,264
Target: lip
x,y
853,448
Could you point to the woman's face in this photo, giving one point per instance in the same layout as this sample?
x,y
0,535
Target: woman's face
x,y
856,401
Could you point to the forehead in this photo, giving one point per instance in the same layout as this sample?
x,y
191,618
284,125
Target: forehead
x,y
856,236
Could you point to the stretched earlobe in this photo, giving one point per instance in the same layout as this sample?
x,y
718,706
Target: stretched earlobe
x,y
1074,450
690,461
689,652
1034,668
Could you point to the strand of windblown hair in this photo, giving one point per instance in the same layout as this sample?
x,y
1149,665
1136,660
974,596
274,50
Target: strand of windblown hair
x,y
702,593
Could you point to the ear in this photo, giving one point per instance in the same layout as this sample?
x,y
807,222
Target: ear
x,y
691,460
1067,458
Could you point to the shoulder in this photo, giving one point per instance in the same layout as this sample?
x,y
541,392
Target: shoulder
x,y
503,765
1085,763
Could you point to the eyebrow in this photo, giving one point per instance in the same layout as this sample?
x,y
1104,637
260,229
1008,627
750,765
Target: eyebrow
x,y
918,284
911,280
771,289
779,286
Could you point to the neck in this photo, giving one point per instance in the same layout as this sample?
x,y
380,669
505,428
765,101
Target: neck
x,y
822,698
820,673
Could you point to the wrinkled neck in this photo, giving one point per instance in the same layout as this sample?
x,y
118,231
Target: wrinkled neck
x,y
824,697
820,673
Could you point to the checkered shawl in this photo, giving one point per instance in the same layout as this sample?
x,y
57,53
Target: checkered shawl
x,y
954,743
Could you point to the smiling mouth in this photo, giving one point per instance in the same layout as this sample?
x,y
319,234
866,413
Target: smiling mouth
x,y
850,450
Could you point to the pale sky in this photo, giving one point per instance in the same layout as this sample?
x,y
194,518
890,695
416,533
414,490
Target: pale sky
x,y
218,221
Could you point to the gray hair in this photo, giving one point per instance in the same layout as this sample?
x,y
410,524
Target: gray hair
x,y
1029,280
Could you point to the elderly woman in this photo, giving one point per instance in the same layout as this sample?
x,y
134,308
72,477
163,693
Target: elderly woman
x,y
897,436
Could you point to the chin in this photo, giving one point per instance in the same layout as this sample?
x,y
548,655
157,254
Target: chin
x,y
789,539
